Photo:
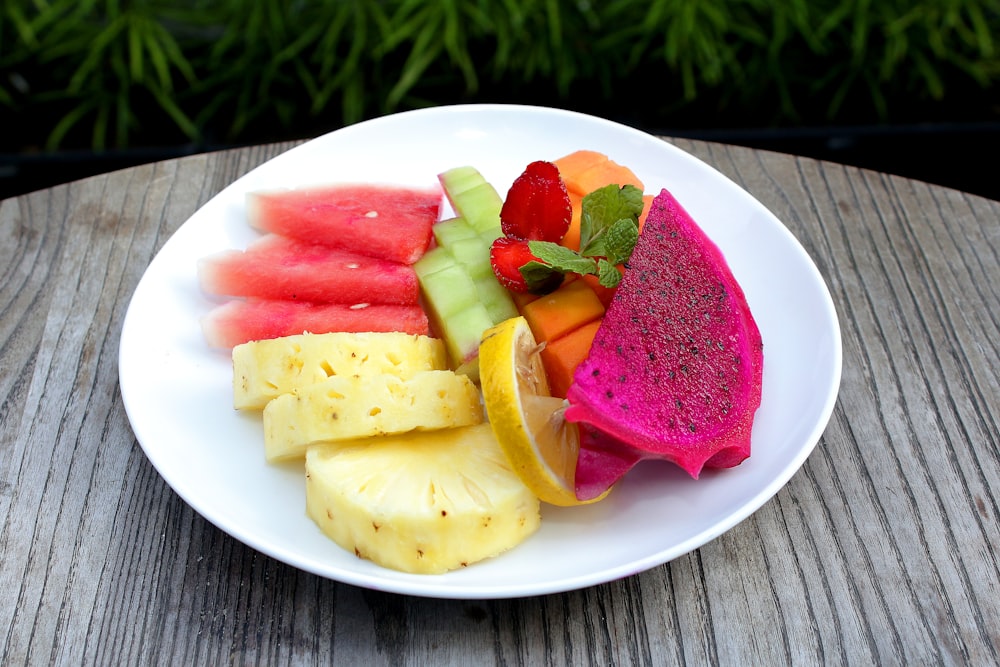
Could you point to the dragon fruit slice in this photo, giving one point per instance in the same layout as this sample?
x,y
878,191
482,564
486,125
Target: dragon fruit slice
x,y
676,367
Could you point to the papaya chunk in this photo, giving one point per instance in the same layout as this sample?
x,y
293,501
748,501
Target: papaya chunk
x,y
575,163
562,355
568,308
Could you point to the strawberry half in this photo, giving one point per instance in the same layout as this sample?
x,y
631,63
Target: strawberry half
x,y
537,207
508,256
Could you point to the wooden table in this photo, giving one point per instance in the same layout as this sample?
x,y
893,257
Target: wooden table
x,y
882,548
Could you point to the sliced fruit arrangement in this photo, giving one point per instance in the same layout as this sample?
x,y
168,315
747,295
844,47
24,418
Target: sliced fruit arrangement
x,y
673,369
676,368
345,407
266,369
526,419
461,294
584,171
423,502
393,223
400,467
540,253
602,325
473,198
243,320
528,260
332,258
537,207
565,321
282,268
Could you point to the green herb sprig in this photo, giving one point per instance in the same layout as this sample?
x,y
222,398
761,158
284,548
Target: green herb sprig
x,y
609,229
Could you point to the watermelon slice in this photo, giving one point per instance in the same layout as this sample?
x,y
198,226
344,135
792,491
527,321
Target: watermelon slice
x,y
389,222
242,321
277,267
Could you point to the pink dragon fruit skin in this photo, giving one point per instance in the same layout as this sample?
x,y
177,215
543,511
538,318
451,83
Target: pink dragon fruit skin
x,y
675,370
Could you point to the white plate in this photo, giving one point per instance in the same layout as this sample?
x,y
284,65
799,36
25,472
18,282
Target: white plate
x,y
177,392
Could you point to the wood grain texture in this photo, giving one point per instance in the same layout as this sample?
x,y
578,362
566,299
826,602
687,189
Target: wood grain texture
x,y
883,548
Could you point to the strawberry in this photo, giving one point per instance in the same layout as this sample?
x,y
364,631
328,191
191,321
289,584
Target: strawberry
x,y
508,256
537,207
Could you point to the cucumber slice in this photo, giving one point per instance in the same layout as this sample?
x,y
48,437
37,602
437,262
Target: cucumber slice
x,y
448,291
433,261
447,232
472,197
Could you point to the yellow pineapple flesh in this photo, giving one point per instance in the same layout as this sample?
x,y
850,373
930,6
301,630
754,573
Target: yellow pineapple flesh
x,y
422,502
355,406
265,369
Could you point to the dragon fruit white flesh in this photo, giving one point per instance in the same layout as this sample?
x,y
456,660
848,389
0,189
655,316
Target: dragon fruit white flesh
x,y
675,370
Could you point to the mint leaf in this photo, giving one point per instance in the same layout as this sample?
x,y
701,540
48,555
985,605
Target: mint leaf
x,y
601,209
595,246
540,278
608,274
562,258
609,230
619,240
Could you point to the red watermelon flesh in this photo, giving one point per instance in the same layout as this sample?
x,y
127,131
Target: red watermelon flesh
x,y
389,222
240,321
675,370
277,267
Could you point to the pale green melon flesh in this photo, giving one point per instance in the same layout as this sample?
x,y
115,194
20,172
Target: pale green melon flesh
x,y
447,232
456,279
473,199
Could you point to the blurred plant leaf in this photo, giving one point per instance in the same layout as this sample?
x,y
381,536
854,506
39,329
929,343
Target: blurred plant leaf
x,y
108,71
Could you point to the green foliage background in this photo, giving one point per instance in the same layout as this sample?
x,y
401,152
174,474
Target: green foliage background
x,y
116,73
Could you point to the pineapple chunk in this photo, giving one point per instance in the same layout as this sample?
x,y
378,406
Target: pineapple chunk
x,y
265,369
422,502
356,406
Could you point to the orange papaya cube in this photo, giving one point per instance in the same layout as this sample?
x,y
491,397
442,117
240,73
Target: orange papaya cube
x,y
604,294
522,299
605,173
556,314
575,163
561,356
571,239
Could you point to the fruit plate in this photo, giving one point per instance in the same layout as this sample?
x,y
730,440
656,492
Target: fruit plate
x,y
178,393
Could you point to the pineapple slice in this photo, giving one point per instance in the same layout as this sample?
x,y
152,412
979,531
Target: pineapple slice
x,y
423,502
265,369
355,406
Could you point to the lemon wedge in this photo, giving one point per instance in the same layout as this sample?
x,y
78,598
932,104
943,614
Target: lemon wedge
x,y
541,446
